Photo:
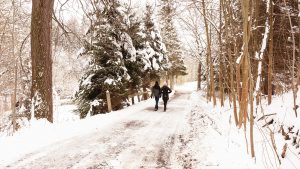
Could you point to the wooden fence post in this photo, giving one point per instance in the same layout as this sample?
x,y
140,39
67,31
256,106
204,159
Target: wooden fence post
x,y
132,99
138,96
108,101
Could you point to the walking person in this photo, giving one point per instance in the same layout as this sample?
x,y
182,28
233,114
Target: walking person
x,y
165,90
156,93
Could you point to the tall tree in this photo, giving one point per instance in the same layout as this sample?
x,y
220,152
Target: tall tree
x,y
221,59
171,40
153,40
151,59
135,67
16,70
245,63
153,55
209,55
298,81
270,65
108,49
294,86
246,73
41,92
228,22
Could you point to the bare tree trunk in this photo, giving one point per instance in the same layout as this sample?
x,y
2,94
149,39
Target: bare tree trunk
x,y
145,94
199,76
251,112
238,81
146,84
298,45
41,92
138,97
255,39
293,64
245,64
221,60
228,28
270,65
260,57
232,90
211,72
5,107
11,102
208,96
14,100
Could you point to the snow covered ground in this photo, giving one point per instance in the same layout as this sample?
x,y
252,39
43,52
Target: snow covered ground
x,y
191,134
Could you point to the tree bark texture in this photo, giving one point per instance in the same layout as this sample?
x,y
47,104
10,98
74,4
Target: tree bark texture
x,y
270,65
14,100
245,64
199,76
41,92
294,86
298,45
231,59
221,81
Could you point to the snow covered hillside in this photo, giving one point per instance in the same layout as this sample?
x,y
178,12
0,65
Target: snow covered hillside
x,y
191,134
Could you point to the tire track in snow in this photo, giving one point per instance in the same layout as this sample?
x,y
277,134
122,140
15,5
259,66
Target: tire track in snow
x,y
79,152
143,140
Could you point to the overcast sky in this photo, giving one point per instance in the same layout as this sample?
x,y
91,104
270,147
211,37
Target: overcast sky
x,y
68,9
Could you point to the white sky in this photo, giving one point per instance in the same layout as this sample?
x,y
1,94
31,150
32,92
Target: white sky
x,y
73,8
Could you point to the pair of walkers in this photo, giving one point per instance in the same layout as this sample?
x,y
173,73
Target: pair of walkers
x,y
158,92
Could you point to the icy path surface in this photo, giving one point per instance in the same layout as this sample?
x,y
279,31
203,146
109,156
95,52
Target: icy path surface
x,y
144,139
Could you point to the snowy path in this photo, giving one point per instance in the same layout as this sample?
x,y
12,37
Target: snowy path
x,y
192,134
186,136
143,140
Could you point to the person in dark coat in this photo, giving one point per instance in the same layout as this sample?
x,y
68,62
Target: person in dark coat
x,y
156,94
165,90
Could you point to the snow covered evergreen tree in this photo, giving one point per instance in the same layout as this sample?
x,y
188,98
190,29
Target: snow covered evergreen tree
x,y
155,48
153,53
147,40
108,50
169,34
134,67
